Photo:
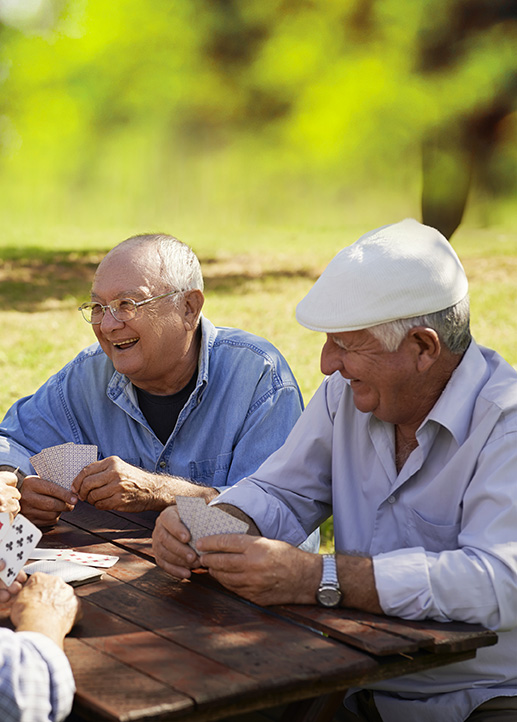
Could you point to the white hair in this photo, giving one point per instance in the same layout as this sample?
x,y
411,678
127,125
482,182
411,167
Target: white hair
x,y
180,269
452,325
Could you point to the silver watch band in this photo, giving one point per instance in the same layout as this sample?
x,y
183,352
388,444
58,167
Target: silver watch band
x,y
329,572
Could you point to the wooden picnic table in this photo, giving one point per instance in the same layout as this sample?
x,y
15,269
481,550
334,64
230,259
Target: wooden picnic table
x,y
152,648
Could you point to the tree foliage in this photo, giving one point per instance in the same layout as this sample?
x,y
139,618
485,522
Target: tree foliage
x,y
93,93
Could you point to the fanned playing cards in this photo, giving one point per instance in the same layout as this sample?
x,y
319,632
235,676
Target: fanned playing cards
x,y
70,555
62,463
17,540
202,520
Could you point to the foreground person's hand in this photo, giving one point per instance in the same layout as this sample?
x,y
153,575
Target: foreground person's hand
x,y
48,605
6,593
9,494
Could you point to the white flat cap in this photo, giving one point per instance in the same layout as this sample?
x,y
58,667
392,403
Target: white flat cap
x,y
397,271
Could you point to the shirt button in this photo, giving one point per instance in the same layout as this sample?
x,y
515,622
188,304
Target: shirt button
x,y
163,464
392,499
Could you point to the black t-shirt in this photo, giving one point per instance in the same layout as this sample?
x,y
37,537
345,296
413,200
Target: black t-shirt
x,y
162,412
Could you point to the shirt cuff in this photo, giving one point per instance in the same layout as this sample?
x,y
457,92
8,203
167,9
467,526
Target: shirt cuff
x,y
403,584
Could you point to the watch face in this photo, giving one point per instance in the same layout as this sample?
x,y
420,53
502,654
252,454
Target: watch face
x,y
329,596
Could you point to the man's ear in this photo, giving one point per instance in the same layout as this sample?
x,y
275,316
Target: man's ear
x,y
192,304
427,346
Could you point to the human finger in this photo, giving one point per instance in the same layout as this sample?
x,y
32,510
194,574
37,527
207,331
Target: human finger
x,y
6,593
42,501
171,522
37,487
9,500
170,549
9,478
236,543
91,477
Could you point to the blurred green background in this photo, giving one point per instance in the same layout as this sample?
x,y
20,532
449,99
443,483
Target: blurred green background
x,y
267,134
209,114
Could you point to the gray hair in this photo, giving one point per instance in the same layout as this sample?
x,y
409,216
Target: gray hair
x,y
179,266
452,325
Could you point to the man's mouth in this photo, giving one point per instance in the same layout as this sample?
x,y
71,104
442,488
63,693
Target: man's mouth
x,y
128,343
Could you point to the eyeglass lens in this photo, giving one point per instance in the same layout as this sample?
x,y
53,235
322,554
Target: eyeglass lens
x,y
123,309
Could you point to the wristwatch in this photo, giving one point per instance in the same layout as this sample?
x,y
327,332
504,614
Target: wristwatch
x,y
329,593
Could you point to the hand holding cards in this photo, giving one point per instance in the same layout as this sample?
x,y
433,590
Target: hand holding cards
x,y
62,463
202,520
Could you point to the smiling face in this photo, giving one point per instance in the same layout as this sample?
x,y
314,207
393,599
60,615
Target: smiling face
x,y
386,384
158,349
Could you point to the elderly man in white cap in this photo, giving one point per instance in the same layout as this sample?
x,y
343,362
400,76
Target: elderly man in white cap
x,y
411,443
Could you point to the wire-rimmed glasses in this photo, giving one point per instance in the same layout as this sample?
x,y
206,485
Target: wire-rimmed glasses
x,y
122,309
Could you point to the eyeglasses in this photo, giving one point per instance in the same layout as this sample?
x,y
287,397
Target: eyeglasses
x,y
122,309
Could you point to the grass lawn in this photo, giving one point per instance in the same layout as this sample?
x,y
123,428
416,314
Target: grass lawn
x,y
254,278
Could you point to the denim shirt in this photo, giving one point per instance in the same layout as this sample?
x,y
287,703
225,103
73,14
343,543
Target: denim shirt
x,y
245,403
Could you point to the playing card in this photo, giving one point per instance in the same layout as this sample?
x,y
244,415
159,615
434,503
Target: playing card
x,y
189,507
202,520
93,560
70,572
16,547
5,523
47,459
63,462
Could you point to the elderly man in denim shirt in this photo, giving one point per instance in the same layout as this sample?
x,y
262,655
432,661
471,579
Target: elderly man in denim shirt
x,y
175,405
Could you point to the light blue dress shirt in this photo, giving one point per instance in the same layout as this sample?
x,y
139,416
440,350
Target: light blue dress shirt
x,y
442,532
36,682
245,403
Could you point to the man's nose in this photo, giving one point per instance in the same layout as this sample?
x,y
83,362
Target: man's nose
x,y
109,321
329,361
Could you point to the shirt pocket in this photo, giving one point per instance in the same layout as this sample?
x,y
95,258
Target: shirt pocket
x,y
433,537
211,472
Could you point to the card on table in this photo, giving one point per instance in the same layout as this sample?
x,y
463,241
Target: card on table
x,y
63,462
202,520
16,546
70,555
72,573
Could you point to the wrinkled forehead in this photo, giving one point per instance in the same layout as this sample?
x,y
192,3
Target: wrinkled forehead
x,y
126,271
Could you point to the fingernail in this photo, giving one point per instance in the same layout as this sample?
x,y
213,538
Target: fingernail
x,y
73,500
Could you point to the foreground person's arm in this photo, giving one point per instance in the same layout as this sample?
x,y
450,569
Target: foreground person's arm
x,y
36,681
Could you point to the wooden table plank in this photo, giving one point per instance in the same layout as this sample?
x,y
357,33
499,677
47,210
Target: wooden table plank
x,y
122,530
108,689
187,672
387,635
254,643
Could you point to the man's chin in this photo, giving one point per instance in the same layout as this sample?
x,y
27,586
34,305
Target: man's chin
x,y
364,402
